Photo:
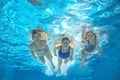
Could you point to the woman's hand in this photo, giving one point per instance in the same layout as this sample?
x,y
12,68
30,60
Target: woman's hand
x,y
55,51
35,56
99,53
85,26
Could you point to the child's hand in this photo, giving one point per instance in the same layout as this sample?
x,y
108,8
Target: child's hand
x,y
35,56
99,53
85,26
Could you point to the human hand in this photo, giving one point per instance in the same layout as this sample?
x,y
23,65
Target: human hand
x,y
99,53
85,26
34,56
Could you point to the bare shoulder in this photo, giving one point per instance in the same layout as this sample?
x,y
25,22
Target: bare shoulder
x,y
58,47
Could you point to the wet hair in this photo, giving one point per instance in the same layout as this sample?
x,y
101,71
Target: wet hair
x,y
33,32
66,38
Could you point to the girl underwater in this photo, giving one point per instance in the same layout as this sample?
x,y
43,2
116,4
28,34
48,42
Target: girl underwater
x,y
90,43
39,47
65,52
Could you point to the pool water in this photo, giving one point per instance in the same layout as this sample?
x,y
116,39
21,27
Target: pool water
x,y
18,17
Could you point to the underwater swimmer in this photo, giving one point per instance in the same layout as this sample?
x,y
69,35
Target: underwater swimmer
x,y
65,52
89,44
39,47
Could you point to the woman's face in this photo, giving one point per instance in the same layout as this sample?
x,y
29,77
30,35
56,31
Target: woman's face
x,y
65,43
36,37
91,36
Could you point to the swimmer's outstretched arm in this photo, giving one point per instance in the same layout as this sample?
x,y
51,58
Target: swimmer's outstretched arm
x,y
84,27
32,51
55,51
98,47
83,33
71,56
55,48
77,57
48,50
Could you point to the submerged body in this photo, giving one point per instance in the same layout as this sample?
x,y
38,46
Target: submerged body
x,y
90,43
39,48
62,54
65,52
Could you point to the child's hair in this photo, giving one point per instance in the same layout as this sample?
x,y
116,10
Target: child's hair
x,y
33,32
86,36
66,38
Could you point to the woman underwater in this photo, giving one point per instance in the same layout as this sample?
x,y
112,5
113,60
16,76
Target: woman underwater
x,y
39,47
90,43
65,52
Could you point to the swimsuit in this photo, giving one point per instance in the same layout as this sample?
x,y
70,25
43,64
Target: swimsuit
x,y
64,55
90,48
41,51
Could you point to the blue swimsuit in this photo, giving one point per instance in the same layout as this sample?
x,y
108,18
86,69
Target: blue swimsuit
x,y
90,48
64,55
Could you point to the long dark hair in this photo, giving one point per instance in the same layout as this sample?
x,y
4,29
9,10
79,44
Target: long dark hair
x,y
66,38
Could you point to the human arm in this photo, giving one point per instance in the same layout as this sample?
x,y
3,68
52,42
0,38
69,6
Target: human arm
x,y
98,47
71,51
55,48
99,50
32,51
48,50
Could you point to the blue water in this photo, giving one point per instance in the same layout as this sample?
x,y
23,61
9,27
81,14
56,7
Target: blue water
x,y
18,17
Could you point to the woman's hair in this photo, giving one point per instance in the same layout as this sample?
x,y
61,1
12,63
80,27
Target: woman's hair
x,y
33,32
66,38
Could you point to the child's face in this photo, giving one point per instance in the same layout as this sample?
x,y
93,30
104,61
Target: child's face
x,y
36,37
91,36
65,43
